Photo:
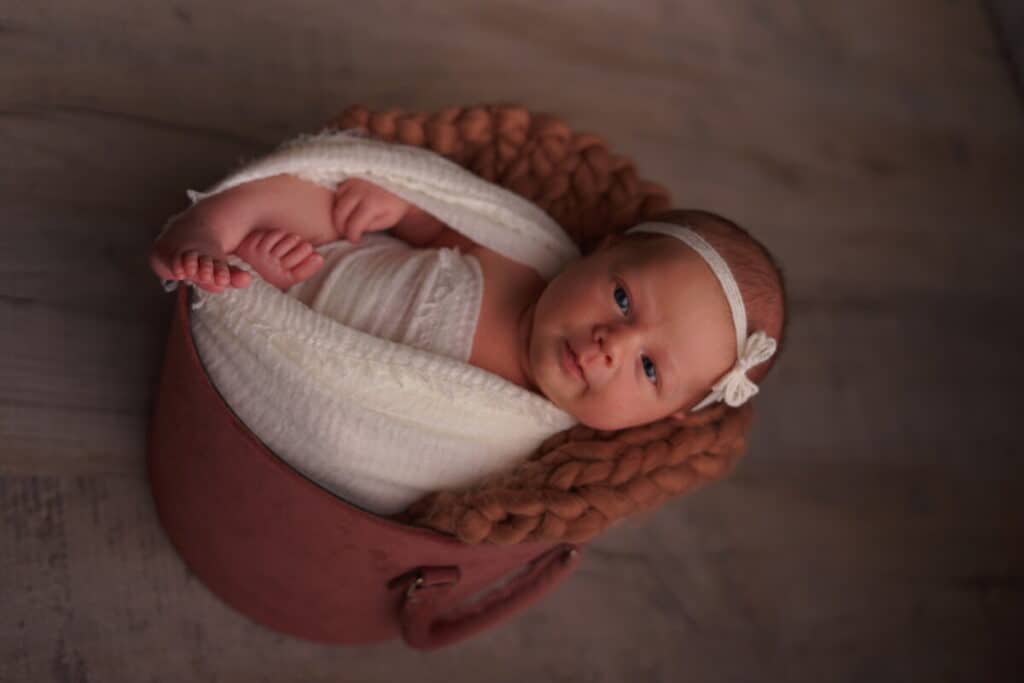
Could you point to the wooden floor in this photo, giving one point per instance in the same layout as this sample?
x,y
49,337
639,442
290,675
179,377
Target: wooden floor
x,y
874,532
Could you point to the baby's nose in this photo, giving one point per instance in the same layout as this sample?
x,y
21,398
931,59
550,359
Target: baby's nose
x,y
593,354
610,345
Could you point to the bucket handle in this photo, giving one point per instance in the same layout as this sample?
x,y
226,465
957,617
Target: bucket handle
x,y
425,590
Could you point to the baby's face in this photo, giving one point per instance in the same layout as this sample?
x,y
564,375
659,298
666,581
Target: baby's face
x,y
630,334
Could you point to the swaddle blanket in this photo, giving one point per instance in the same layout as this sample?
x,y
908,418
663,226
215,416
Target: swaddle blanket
x,y
378,423
425,298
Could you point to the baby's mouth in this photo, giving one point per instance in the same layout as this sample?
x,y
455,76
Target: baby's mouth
x,y
571,362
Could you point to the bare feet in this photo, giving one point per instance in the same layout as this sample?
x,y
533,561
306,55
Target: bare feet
x,y
281,258
186,252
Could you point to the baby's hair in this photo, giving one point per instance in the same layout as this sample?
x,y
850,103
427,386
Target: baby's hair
x,y
758,274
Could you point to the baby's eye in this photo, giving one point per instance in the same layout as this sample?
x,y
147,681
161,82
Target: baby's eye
x,y
621,298
649,369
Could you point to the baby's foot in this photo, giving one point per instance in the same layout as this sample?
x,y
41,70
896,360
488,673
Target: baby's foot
x,y
183,252
281,258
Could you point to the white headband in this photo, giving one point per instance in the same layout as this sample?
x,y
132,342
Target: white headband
x,y
735,388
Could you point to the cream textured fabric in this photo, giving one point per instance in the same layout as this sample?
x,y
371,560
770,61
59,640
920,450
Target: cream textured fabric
x,y
426,298
377,422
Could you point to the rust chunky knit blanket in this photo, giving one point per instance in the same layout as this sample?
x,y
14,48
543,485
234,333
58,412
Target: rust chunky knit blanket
x,y
578,482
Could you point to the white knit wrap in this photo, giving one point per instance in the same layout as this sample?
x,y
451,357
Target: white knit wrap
x,y
379,423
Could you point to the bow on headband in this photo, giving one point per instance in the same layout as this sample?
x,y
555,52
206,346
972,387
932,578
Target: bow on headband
x,y
735,388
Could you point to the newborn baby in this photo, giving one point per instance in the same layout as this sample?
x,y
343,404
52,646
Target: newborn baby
x,y
667,318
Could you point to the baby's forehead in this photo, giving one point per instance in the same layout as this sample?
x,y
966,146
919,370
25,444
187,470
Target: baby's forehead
x,y
647,253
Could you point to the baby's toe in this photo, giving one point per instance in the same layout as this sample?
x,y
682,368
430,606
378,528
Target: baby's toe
x,y
221,275
190,264
287,243
239,278
205,272
270,239
297,254
307,267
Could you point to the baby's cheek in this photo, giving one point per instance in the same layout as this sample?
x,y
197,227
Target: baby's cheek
x,y
604,412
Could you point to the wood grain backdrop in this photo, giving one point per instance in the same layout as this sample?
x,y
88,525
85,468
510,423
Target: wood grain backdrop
x,y
873,533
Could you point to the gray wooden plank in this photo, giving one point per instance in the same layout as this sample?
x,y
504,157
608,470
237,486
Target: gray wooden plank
x,y
718,587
